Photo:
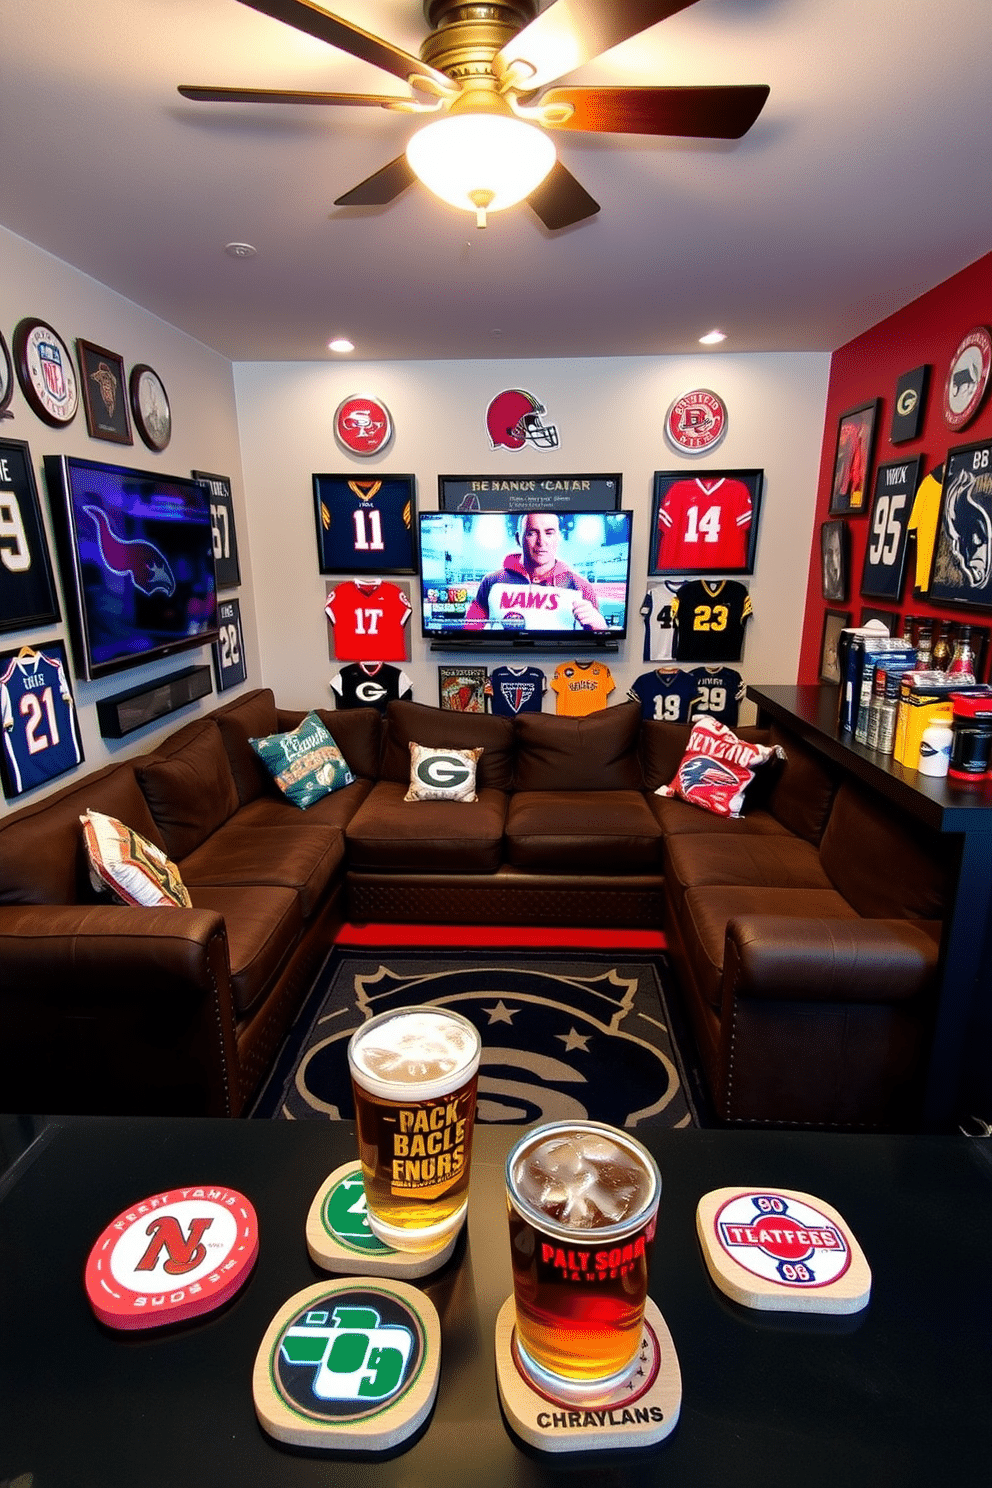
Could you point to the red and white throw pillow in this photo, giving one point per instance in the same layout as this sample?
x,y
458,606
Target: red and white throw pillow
x,y
717,768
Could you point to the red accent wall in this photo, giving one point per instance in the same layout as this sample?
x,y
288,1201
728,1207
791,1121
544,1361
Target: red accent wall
x,y
927,330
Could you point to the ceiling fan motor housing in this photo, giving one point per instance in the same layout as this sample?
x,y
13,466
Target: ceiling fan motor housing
x,y
466,38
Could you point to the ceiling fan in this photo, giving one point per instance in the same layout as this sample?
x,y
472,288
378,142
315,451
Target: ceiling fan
x,y
483,73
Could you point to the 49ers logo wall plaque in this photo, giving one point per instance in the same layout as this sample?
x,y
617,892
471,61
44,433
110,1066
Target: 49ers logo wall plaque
x,y
696,422
362,425
172,1256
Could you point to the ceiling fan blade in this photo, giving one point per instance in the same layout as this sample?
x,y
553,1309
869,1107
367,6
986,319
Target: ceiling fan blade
x,y
310,18
704,113
280,95
572,32
560,200
378,190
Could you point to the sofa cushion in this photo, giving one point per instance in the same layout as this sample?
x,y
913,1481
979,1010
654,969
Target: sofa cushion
x,y
594,753
392,835
408,723
263,928
677,818
252,716
132,868
886,865
189,787
801,792
759,862
717,768
439,774
357,733
305,763
585,831
286,856
335,810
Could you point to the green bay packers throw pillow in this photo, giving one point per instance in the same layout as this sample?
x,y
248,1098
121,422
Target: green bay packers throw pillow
x,y
305,763
438,774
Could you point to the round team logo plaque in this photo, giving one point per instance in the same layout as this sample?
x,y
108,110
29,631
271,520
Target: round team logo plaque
x,y
172,1256
778,1250
46,372
349,1365
339,1236
968,378
362,425
696,422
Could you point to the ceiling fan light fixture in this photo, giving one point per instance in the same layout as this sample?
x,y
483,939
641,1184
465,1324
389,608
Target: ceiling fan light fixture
x,y
481,162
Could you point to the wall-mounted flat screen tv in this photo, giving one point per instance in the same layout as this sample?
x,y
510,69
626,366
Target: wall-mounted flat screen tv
x,y
522,578
136,553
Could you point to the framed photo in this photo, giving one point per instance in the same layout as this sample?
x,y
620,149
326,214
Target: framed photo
x,y
226,565
6,380
834,621
365,525
962,557
462,689
150,407
909,405
835,558
27,586
852,461
706,523
41,740
104,388
230,667
887,617
522,493
888,529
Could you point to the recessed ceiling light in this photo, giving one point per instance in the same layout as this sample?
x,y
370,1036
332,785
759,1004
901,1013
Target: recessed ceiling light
x,y
340,343
240,250
712,338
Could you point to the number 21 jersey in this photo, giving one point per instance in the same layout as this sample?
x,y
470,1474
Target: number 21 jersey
x,y
39,721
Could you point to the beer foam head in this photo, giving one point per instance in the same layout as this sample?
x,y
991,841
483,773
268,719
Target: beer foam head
x,y
582,1176
420,1051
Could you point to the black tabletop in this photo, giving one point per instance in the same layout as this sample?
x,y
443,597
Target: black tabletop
x,y
898,1394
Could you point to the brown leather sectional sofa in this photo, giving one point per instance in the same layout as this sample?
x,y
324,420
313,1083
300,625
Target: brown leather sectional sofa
x,y
805,935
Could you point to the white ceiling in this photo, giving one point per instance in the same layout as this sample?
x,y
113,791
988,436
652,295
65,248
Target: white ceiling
x,y
865,181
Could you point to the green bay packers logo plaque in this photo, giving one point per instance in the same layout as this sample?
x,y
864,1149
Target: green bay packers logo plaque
x,y
349,1365
171,1257
339,1236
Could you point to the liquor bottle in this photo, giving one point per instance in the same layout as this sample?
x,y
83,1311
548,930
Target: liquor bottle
x,y
962,665
924,646
942,650
908,621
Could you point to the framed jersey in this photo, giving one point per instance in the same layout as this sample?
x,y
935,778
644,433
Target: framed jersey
x,y
40,730
365,526
962,557
226,564
462,689
853,457
230,667
27,589
888,530
705,523
710,617
368,620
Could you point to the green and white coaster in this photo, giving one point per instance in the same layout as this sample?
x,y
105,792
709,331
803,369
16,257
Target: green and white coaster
x,y
339,1237
778,1250
638,1413
349,1365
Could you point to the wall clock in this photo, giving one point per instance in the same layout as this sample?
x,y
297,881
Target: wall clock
x,y
150,406
6,380
45,372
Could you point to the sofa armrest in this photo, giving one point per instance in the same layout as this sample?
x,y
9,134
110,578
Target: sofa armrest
x,y
827,960
107,1008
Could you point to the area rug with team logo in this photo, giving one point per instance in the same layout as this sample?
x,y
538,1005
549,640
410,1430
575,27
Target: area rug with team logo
x,y
586,1037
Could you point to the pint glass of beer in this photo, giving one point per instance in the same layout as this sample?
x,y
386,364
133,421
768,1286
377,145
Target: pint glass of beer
x,y
414,1073
583,1204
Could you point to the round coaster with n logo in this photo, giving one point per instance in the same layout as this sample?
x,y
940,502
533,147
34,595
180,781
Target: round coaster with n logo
x,y
172,1256
339,1237
349,1364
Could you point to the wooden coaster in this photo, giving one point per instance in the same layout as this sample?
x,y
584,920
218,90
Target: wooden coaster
x,y
172,1256
339,1237
781,1251
351,1365
636,1414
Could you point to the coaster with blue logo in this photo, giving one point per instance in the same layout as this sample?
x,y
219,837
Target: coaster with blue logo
x,y
349,1365
339,1237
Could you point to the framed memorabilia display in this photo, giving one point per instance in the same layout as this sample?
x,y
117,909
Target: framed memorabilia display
x,y
365,526
887,618
909,405
462,689
368,620
45,372
967,378
962,557
150,407
230,667
27,587
6,380
523,493
852,461
41,733
226,565
104,387
834,621
835,547
888,529
706,523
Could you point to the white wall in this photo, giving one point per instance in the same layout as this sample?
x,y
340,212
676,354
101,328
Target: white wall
x,y
609,414
205,437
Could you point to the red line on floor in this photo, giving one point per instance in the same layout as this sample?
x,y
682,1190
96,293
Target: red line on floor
x,y
499,936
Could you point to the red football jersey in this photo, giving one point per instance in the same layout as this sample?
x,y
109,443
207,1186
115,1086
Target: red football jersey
x,y
703,525
368,621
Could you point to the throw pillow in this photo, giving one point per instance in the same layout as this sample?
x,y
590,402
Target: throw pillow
x,y
305,763
132,868
717,768
438,774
